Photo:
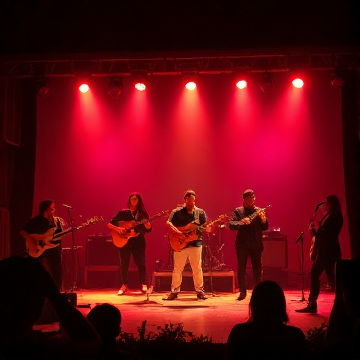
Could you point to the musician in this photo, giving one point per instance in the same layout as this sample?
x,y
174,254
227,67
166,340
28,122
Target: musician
x,y
40,224
188,217
326,249
123,221
249,221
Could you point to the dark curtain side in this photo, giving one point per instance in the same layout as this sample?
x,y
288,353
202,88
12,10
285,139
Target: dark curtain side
x,y
21,198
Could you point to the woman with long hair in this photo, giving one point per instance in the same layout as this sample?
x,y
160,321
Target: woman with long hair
x,y
129,227
266,334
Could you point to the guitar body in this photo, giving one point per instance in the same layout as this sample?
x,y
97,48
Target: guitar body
x,y
38,243
121,240
41,242
178,244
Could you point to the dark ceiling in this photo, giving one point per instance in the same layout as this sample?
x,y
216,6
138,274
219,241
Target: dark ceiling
x,y
172,36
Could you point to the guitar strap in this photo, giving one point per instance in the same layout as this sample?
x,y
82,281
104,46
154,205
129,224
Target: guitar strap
x,y
197,215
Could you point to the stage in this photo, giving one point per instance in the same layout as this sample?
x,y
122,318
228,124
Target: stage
x,y
213,317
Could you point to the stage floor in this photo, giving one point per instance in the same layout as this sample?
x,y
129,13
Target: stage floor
x,y
213,317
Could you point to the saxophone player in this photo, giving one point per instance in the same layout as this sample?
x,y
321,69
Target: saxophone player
x,y
249,221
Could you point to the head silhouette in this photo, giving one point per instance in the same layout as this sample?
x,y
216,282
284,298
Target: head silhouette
x,y
267,303
106,320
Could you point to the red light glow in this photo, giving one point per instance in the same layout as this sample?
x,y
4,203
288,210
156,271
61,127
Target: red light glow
x,y
298,83
190,85
84,88
140,86
241,84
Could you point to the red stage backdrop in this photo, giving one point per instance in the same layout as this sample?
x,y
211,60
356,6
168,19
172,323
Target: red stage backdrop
x,y
286,145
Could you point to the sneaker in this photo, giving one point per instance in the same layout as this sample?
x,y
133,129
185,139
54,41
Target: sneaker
x,y
144,288
201,295
241,296
122,290
171,296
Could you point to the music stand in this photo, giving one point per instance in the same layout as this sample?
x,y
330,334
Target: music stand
x,y
301,240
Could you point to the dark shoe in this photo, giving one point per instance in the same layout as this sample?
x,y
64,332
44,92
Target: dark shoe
x,y
310,308
241,296
201,295
171,296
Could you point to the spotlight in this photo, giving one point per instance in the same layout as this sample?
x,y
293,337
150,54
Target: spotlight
x,y
298,83
241,84
266,84
83,81
42,86
189,82
139,80
337,81
115,86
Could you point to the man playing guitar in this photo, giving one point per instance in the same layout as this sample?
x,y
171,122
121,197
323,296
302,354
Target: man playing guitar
x,y
188,218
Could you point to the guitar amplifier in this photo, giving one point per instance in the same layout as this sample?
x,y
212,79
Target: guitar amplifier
x,y
100,251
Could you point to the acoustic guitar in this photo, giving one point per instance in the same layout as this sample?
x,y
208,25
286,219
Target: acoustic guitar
x,y
38,243
120,239
178,244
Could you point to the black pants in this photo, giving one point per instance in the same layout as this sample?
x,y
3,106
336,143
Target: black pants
x,y
51,260
242,256
138,255
320,265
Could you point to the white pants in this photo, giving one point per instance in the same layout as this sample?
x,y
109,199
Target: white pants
x,y
180,257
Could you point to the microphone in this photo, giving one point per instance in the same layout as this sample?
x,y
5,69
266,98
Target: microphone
x,y
68,206
319,204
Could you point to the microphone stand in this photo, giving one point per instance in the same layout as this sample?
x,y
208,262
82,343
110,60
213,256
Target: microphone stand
x,y
73,280
301,240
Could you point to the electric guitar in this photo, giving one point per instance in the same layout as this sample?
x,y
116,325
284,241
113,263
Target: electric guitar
x,y
178,244
38,243
120,239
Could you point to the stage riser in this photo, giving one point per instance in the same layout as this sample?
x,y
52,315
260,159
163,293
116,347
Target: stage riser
x,y
217,281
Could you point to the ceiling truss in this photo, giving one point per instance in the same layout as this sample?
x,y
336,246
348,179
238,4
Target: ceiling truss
x,y
125,66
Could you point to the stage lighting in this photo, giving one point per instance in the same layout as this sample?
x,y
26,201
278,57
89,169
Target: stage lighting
x,y
266,84
298,83
139,80
189,81
241,84
337,81
115,86
42,86
83,81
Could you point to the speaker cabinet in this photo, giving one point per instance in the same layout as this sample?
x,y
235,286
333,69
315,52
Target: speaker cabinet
x,y
275,252
100,251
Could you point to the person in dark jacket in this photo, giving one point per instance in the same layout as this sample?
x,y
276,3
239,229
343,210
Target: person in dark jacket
x,y
325,250
250,221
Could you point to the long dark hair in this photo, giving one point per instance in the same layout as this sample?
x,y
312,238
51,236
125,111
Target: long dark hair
x,y
267,303
140,204
44,205
334,202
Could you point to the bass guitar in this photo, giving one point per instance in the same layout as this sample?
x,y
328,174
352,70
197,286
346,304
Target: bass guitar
x,y
120,239
38,243
178,243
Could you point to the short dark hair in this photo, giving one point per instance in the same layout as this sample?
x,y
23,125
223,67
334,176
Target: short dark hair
x,y
248,193
44,205
189,192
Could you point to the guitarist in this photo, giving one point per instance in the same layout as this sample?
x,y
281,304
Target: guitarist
x,y
40,224
326,249
121,222
248,238
190,217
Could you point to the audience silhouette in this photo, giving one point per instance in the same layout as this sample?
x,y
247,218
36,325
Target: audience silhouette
x,y
266,333
25,285
106,319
